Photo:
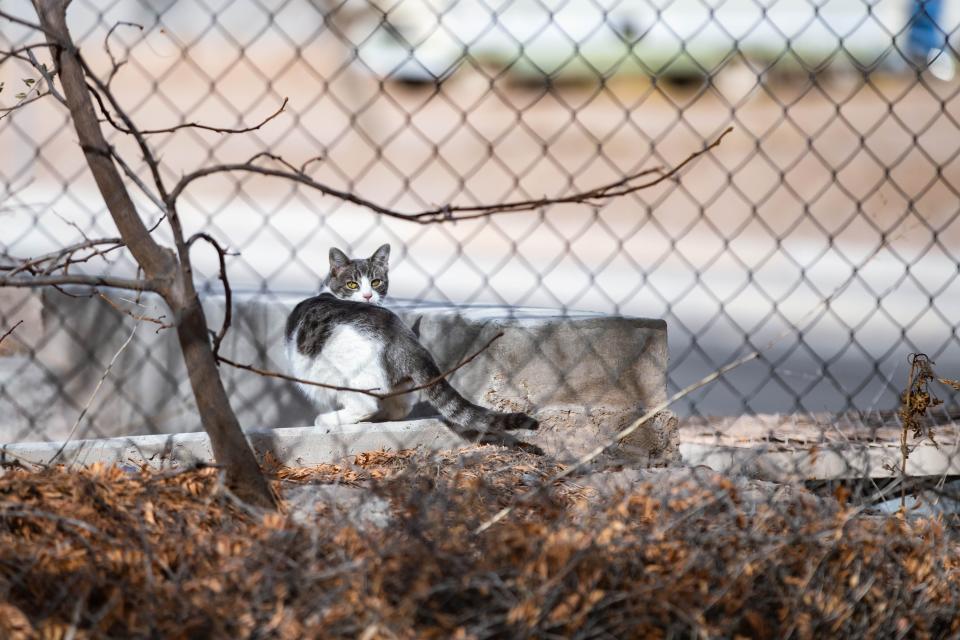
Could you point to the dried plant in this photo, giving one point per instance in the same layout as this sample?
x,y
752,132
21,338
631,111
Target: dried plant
x,y
112,553
915,403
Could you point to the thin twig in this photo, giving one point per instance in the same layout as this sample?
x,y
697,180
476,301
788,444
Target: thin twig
x,y
608,191
6,111
106,45
136,316
90,281
47,77
17,52
27,23
10,331
370,392
145,150
93,395
227,293
276,374
446,373
169,210
135,179
30,265
195,125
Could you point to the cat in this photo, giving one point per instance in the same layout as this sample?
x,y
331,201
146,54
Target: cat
x,y
343,337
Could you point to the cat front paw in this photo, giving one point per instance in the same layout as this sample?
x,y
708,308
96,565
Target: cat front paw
x,y
331,419
341,418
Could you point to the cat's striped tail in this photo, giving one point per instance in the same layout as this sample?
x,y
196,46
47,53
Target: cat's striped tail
x,y
460,411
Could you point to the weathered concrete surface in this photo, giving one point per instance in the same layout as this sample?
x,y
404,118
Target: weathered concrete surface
x,y
927,502
814,462
300,446
584,375
829,446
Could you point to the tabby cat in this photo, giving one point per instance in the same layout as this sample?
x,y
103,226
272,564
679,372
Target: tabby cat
x,y
344,338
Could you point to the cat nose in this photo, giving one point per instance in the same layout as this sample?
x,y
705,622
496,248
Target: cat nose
x,y
367,296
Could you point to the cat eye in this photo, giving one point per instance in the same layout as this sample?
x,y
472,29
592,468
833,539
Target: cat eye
x,y
376,283
353,285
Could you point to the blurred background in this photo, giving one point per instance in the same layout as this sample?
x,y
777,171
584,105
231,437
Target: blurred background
x,y
839,181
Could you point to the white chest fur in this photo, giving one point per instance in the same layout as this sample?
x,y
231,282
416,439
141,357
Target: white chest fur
x,y
348,359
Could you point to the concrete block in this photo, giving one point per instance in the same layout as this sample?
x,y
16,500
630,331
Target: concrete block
x,y
301,446
819,462
584,375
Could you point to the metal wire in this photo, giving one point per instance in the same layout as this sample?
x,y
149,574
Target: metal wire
x,y
841,169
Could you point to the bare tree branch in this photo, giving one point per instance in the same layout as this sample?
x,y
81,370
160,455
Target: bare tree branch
x,y
106,45
47,77
93,394
6,111
267,373
449,213
204,127
88,280
227,292
370,392
17,52
10,330
186,125
26,23
443,376
135,179
170,210
136,316
55,256
145,150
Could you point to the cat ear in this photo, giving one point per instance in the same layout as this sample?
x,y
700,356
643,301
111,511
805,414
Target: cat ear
x,y
338,259
381,255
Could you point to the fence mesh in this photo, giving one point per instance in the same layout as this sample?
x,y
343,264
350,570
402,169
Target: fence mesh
x,y
815,247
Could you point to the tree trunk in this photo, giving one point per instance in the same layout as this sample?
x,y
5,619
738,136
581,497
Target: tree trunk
x,y
216,415
160,265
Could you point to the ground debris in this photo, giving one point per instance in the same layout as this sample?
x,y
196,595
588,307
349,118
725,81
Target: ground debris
x,y
105,552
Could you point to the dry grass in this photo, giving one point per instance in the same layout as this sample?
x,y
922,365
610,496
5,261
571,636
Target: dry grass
x,y
109,553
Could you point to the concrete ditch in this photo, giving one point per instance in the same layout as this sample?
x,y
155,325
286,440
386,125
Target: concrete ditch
x,y
583,375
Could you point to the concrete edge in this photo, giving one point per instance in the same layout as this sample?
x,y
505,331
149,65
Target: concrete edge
x,y
308,446
300,446
822,462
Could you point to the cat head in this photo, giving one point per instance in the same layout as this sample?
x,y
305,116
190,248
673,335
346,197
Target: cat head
x,y
362,279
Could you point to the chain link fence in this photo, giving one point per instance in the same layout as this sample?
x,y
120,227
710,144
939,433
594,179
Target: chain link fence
x,y
841,171
794,290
